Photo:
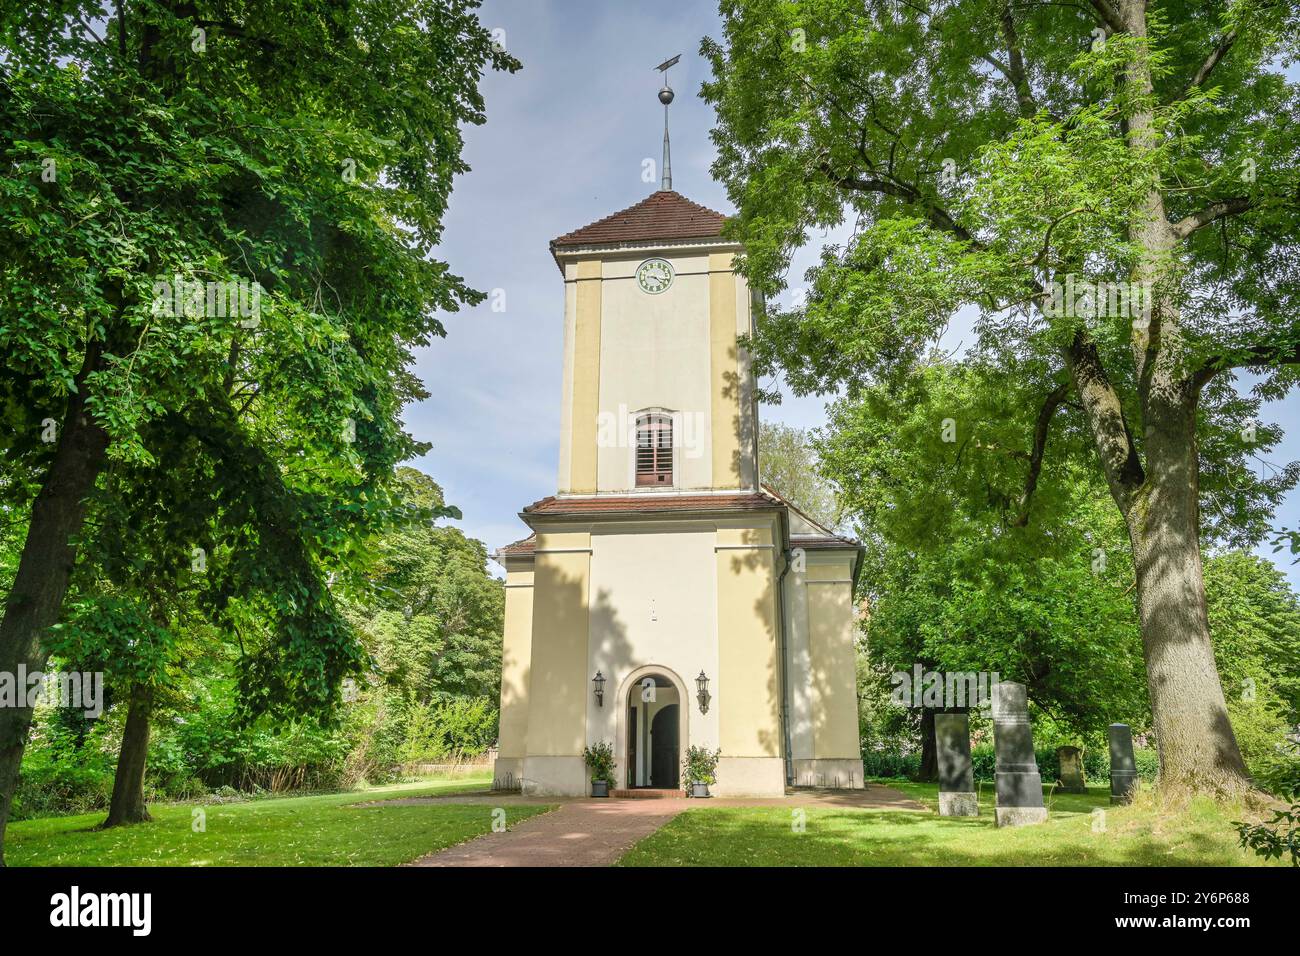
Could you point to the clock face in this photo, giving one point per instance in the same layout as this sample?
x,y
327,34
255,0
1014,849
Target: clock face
x,y
654,275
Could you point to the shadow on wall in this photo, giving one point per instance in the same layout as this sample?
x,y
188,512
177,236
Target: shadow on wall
x,y
555,689
747,563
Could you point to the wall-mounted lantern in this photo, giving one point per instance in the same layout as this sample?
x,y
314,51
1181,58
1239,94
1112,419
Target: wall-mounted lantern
x,y
599,681
702,685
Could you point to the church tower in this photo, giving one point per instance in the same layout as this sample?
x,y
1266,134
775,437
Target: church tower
x,y
652,311
665,598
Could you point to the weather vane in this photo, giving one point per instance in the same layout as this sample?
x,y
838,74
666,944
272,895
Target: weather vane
x,y
666,97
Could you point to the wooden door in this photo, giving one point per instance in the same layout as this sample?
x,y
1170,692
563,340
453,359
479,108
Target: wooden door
x,y
631,745
663,748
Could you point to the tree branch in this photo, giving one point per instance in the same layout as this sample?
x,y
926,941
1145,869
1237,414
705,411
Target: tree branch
x,y
1015,71
1105,416
1233,206
1252,356
1109,15
1053,401
1211,61
935,214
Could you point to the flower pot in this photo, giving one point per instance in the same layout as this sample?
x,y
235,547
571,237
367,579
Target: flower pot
x,y
700,790
600,788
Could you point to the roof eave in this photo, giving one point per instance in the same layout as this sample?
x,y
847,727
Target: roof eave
x,y
604,249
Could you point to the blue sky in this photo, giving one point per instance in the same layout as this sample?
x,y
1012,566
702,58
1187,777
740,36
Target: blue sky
x,y
564,145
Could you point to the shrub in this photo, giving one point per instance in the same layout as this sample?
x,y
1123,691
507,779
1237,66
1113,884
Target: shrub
x,y
451,728
1276,838
64,774
1096,763
700,765
886,763
1278,772
600,761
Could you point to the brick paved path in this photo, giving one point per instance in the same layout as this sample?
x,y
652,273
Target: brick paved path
x,y
598,832
582,833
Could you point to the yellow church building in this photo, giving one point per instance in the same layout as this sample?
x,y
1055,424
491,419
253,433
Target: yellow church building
x,y
665,598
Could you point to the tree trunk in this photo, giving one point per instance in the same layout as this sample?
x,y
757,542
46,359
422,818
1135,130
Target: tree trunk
x,y
1198,748
929,769
128,784
44,568
1159,499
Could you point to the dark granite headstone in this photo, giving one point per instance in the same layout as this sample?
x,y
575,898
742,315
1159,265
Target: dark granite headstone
x,y
1071,762
1019,786
957,796
1123,769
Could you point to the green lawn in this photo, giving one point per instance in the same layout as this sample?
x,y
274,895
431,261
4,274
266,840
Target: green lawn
x,y
294,831
765,836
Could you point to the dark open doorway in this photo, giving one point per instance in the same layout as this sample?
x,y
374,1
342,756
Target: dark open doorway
x,y
653,734
663,748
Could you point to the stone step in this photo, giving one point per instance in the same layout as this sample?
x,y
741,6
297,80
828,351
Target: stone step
x,y
645,793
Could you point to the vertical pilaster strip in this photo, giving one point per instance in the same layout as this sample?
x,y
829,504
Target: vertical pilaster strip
x,y
586,378
516,658
558,678
724,371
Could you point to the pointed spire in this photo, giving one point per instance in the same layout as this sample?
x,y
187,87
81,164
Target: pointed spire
x,y
666,97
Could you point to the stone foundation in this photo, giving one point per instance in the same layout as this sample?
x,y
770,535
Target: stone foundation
x,y
958,805
839,773
1019,816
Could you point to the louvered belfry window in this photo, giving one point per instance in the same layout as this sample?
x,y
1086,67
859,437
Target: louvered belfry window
x,y
654,449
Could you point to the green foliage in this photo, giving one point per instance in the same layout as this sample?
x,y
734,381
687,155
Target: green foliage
x,y
142,162
788,464
1255,625
453,729
700,765
109,632
954,579
432,616
599,759
1276,838
64,772
1096,763
975,156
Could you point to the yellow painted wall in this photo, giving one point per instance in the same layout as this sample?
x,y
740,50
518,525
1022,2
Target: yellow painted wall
x,y
516,652
558,678
748,685
834,665
586,378
724,373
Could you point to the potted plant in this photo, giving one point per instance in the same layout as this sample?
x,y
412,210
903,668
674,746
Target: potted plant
x,y
699,769
600,761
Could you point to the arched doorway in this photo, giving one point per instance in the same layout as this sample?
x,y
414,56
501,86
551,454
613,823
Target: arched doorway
x,y
653,732
663,748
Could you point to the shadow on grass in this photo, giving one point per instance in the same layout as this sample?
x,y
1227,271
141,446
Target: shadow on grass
x,y
1073,836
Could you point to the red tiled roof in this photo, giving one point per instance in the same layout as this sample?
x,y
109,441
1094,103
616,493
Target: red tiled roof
x,y
742,501
527,546
662,215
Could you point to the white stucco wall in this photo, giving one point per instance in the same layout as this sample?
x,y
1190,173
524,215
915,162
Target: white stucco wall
x,y
653,604
654,353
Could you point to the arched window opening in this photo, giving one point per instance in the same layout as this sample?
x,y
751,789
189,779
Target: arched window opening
x,y
654,449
